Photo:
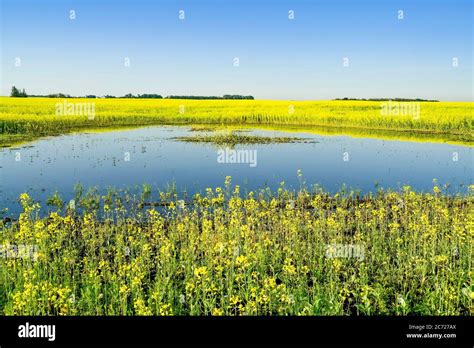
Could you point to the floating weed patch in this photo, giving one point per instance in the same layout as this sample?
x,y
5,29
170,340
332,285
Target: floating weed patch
x,y
203,129
234,138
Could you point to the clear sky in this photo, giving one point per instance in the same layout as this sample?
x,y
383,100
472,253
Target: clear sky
x,y
279,58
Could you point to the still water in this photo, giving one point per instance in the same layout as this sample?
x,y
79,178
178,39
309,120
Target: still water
x,y
125,159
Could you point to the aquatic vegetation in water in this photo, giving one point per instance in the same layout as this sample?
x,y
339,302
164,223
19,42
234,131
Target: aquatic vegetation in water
x,y
285,252
233,138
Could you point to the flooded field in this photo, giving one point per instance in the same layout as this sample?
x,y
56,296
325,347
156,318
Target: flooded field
x,y
126,159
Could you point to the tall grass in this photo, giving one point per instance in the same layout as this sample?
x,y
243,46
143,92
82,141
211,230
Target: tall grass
x,y
221,253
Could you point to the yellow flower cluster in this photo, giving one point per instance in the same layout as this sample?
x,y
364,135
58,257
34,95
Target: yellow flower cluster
x,y
254,254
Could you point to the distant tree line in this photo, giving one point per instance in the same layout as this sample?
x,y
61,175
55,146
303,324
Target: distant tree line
x,y
192,97
143,96
17,93
225,96
57,95
387,99
236,96
158,96
22,94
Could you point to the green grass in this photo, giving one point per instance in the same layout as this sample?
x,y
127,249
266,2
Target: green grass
x,y
224,253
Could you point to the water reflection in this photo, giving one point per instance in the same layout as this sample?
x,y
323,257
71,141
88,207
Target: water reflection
x,y
129,158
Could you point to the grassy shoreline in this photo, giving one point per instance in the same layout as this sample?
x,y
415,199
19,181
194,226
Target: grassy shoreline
x,y
26,119
264,253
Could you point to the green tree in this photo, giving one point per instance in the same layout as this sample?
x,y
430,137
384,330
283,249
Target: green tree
x,y
15,92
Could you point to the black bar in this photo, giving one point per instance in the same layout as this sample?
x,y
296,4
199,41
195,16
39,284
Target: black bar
x,y
242,330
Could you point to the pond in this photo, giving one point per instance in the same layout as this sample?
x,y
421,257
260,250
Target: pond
x,y
128,158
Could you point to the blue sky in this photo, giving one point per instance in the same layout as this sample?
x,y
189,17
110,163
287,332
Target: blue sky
x,y
279,58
